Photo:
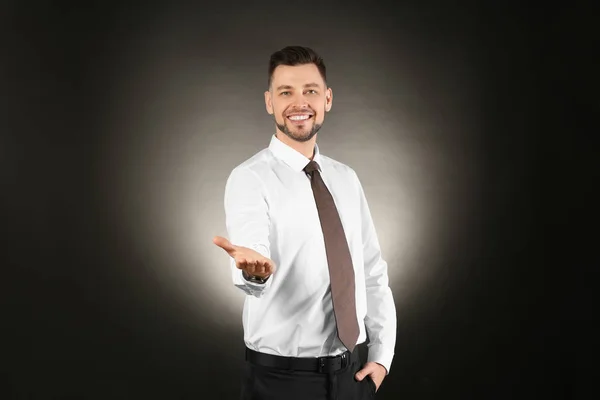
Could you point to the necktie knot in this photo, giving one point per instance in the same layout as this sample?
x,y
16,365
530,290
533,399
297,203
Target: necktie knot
x,y
311,167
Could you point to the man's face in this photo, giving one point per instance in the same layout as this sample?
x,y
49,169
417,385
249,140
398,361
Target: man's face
x,y
298,100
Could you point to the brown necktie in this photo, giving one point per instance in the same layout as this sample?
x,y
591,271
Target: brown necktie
x,y
341,272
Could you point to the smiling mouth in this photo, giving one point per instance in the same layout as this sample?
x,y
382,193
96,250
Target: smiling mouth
x,y
299,117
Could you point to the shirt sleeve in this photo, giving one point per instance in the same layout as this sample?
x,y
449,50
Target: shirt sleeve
x,y
380,321
247,221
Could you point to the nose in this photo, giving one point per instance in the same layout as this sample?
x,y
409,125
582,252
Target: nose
x,y
300,100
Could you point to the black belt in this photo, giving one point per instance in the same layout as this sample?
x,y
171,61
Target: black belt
x,y
312,364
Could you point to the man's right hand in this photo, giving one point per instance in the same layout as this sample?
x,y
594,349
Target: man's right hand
x,y
247,259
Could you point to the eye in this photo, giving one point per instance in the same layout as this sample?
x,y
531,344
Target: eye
x,y
284,93
312,91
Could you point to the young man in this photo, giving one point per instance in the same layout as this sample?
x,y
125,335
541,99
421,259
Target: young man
x,y
305,251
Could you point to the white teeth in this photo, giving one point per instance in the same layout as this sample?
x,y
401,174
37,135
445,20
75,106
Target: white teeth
x,y
298,117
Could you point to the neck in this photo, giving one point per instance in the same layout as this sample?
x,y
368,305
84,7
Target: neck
x,y
307,149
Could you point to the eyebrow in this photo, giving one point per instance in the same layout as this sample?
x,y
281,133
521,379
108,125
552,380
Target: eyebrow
x,y
308,85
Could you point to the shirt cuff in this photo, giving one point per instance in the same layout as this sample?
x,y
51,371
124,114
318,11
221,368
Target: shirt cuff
x,y
377,353
252,288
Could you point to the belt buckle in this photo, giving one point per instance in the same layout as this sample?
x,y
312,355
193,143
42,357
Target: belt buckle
x,y
322,364
345,359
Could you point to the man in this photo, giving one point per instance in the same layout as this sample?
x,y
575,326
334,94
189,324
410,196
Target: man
x,y
306,253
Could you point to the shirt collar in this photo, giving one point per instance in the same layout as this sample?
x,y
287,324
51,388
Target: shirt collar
x,y
292,157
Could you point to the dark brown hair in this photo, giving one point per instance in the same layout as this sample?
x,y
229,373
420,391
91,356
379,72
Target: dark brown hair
x,y
296,55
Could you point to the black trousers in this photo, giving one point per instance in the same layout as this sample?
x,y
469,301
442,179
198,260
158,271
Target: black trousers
x,y
269,383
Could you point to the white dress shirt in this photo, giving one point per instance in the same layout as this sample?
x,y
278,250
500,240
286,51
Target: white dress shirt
x,y
269,207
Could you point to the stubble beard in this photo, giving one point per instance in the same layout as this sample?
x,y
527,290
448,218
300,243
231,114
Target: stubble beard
x,y
301,136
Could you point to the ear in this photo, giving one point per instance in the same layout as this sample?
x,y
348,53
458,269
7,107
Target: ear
x,y
328,99
268,102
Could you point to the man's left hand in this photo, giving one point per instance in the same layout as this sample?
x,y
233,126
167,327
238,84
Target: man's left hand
x,y
377,372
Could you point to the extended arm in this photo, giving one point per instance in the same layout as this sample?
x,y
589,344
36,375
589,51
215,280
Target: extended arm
x,y
247,220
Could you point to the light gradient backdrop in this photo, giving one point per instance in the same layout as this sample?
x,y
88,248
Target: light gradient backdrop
x,y
138,115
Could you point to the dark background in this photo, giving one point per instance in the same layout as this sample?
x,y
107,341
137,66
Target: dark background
x,y
514,322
